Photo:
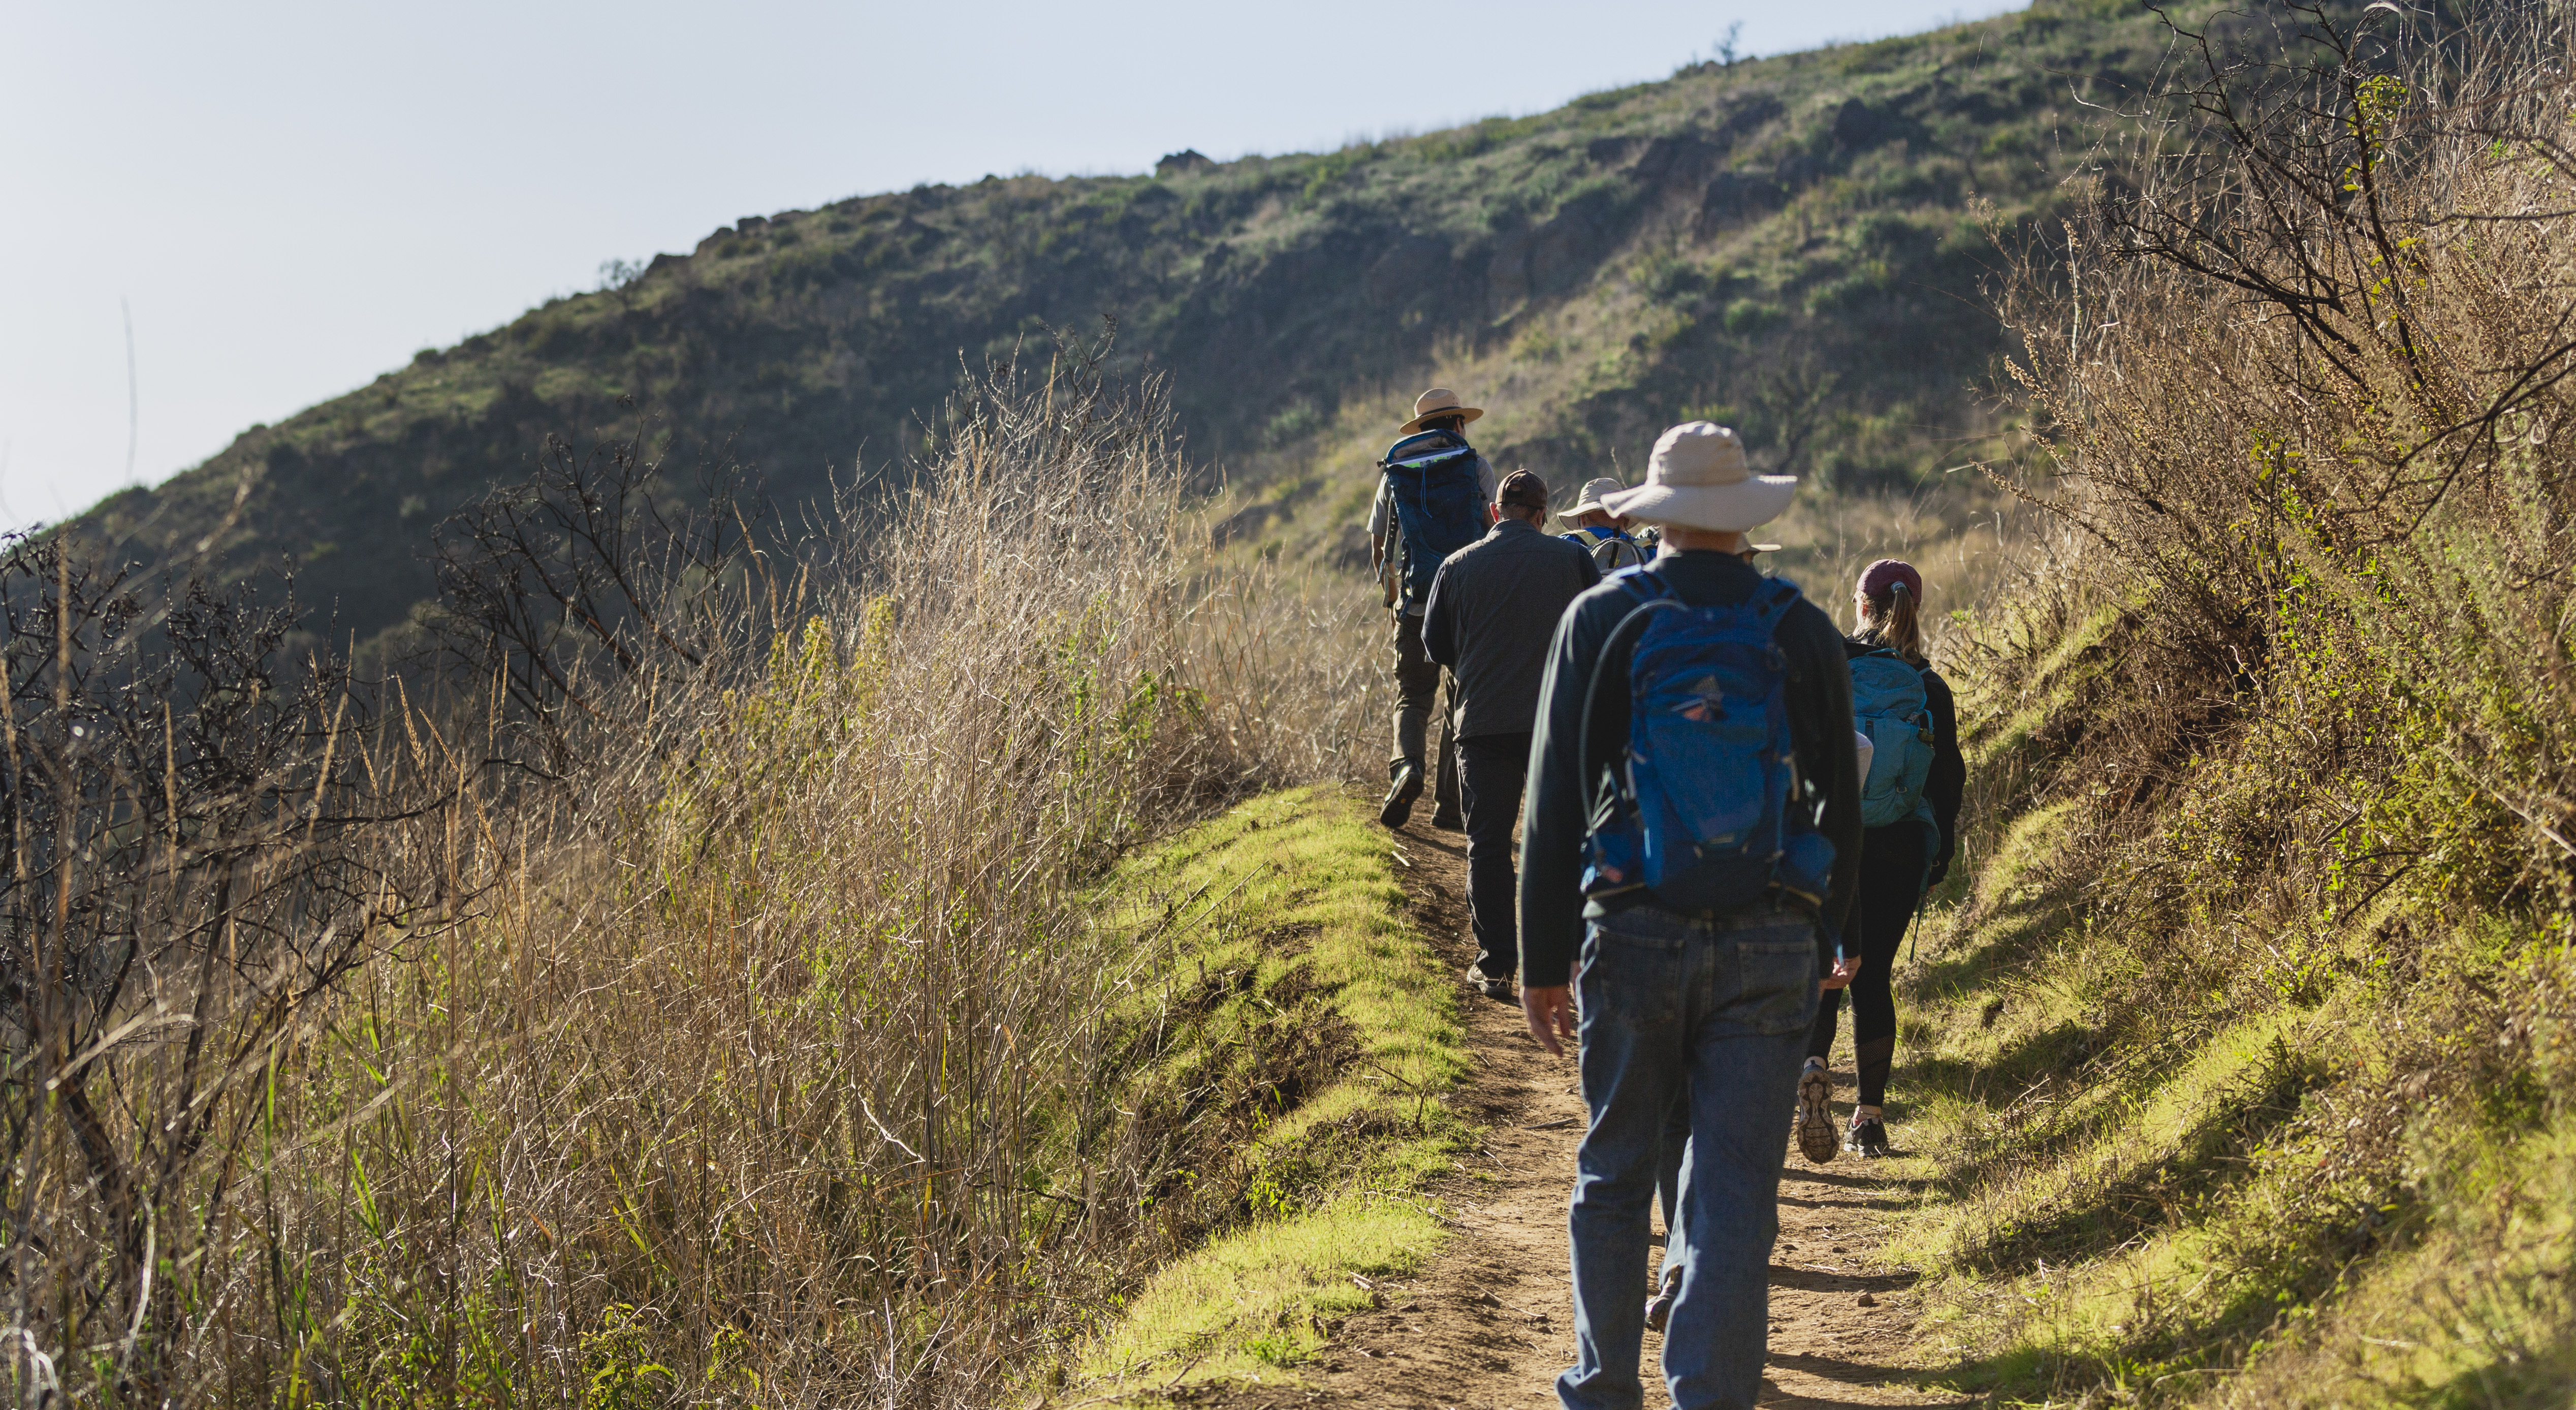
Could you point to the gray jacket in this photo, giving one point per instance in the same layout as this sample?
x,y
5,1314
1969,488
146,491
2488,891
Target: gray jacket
x,y
1493,608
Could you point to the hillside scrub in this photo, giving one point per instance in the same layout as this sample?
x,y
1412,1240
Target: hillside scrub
x,y
1788,245
2242,1063
775,1042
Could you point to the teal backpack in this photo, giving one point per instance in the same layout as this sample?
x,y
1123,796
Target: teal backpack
x,y
1888,705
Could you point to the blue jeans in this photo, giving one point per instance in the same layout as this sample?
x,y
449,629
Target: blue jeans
x,y
1719,1011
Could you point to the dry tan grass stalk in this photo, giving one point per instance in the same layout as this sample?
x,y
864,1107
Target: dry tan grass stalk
x,y
774,1055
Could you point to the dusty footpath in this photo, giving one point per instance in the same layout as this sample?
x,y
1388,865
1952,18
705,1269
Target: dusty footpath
x,y
1489,1323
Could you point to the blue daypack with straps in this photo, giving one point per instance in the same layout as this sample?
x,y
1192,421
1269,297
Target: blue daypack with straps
x,y
1439,504
1700,809
1890,706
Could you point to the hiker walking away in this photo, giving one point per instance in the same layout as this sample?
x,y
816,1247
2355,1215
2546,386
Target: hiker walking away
x,y
1488,618
1601,533
1693,822
1659,1308
1909,813
1431,496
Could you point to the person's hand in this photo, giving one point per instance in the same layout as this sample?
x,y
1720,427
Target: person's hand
x,y
1940,869
1846,970
1550,1010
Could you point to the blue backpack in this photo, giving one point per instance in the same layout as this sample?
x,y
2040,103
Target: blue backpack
x,y
1439,504
1699,810
1888,705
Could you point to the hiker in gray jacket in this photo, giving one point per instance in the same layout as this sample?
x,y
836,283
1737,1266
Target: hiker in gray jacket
x,y
1493,606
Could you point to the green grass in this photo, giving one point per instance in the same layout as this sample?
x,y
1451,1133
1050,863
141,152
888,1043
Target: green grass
x,y
1296,895
2184,1142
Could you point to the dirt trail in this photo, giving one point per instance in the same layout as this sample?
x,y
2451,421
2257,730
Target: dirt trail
x,y
1489,1324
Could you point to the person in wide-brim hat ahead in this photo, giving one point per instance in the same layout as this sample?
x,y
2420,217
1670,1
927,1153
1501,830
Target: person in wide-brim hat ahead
x,y
1699,479
1434,404
1442,510
1601,533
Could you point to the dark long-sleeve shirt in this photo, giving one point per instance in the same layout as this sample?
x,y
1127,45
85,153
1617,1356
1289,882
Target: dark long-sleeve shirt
x,y
1819,699
1948,780
1492,604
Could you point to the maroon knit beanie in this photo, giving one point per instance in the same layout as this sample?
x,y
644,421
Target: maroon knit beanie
x,y
1879,579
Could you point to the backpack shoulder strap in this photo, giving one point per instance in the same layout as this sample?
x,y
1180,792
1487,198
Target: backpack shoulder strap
x,y
1650,594
1772,599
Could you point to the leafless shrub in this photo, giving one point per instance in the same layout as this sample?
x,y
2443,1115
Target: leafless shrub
x,y
206,836
2315,352
593,572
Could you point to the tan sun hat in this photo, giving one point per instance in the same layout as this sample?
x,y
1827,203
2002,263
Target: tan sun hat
x,y
1439,401
1699,479
1590,499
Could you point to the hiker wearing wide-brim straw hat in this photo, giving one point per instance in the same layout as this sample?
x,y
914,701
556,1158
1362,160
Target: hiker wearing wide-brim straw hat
x,y
1432,497
1698,478
1435,404
1698,981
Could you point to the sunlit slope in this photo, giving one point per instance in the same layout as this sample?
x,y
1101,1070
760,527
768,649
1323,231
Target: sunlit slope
x,y
1788,243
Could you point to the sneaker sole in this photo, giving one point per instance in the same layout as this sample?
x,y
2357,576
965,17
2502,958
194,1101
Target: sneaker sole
x,y
1397,810
1818,1141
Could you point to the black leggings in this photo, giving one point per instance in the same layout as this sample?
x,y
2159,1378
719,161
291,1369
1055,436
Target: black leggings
x,y
1892,861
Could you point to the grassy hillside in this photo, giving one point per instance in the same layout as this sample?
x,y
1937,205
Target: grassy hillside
x,y
2240,1066
1787,244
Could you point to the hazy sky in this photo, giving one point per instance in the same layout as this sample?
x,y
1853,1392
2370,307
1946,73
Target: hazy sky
x,y
292,198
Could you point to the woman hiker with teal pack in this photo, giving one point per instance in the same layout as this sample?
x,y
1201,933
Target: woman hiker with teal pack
x,y
1909,817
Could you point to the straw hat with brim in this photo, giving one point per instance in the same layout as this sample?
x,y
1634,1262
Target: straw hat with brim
x,y
1590,499
1698,479
1439,401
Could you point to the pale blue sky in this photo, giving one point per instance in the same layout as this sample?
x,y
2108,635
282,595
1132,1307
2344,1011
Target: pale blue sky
x,y
293,197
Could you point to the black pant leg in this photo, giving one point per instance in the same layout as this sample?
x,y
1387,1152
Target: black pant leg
x,y
1829,1012
1892,860
1493,770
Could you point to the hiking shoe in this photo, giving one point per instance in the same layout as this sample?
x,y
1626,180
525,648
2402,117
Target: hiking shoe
x,y
1400,794
1868,1137
1815,1124
1659,1309
1489,986
1447,820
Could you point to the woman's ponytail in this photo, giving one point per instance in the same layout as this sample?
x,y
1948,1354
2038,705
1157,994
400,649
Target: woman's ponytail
x,y
1893,621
